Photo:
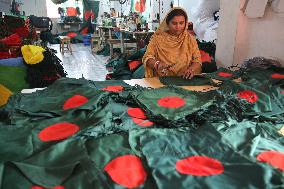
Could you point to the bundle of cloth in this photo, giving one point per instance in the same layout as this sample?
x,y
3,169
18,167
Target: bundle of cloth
x,y
14,32
205,20
122,136
39,67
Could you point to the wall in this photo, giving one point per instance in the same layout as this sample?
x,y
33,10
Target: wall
x,y
227,31
240,37
34,7
106,5
189,5
5,6
260,37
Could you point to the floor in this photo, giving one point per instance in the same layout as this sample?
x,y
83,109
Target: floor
x,y
82,63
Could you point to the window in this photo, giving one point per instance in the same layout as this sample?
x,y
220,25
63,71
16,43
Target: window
x,y
52,9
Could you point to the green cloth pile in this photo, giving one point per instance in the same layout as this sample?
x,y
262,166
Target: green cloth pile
x,y
78,134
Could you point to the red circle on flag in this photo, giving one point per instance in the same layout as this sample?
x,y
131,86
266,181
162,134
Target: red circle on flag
x,y
88,14
225,74
127,171
171,102
274,158
199,166
142,122
137,113
58,131
277,76
37,187
74,102
248,95
58,187
113,88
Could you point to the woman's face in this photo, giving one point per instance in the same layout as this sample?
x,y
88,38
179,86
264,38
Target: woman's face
x,y
176,25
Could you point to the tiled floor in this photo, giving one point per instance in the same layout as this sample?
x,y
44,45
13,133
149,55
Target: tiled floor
x,y
82,63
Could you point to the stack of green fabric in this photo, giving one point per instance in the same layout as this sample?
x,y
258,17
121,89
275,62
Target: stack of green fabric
x,y
82,134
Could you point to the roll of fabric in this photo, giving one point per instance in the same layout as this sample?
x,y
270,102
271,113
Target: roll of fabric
x,y
12,62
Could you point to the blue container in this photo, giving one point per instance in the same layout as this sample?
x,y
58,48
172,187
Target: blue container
x,y
87,40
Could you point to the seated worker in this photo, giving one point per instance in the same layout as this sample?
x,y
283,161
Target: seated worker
x,y
172,51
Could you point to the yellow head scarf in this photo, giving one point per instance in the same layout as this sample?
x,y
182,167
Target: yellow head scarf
x,y
179,51
32,54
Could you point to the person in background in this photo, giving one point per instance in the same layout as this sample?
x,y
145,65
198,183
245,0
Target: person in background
x,y
113,12
172,51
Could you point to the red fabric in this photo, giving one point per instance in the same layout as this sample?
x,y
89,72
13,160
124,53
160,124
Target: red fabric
x,y
142,122
113,88
282,92
199,166
58,131
88,14
137,113
22,31
71,11
140,5
74,102
171,102
205,57
72,34
134,64
84,31
40,187
12,40
225,74
50,78
4,55
277,76
108,76
127,171
248,95
274,158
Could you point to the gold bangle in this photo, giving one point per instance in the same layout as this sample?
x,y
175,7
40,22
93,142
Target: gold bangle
x,y
156,65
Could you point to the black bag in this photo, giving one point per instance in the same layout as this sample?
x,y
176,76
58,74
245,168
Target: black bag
x,y
41,22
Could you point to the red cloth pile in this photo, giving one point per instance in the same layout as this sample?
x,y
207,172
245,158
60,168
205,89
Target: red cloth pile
x,y
12,40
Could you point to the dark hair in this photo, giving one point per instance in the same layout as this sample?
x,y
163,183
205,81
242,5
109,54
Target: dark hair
x,y
176,12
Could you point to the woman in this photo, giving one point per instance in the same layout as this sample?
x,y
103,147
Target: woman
x,y
172,51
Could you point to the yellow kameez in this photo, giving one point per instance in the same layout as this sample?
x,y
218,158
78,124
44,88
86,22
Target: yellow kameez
x,y
178,51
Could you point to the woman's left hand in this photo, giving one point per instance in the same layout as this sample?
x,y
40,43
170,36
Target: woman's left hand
x,y
189,73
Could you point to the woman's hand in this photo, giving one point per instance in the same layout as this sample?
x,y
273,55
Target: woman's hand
x,y
189,73
162,69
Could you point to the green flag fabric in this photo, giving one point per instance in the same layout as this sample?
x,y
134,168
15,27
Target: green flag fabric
x,y
80,134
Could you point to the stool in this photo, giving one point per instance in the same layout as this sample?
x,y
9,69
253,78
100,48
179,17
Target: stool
x,y
65,40
96,39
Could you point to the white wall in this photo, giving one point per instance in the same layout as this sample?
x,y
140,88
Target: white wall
x,y
260,37
189,5
5,6
227,31
34,7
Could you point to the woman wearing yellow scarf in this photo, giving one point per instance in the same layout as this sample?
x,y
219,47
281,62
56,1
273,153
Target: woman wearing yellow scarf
x,y
172,51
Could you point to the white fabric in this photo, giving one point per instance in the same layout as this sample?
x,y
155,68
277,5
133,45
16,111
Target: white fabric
x,y
204,25
205,9
206,29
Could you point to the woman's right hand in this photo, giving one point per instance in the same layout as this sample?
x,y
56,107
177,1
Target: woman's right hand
x,y
163,69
